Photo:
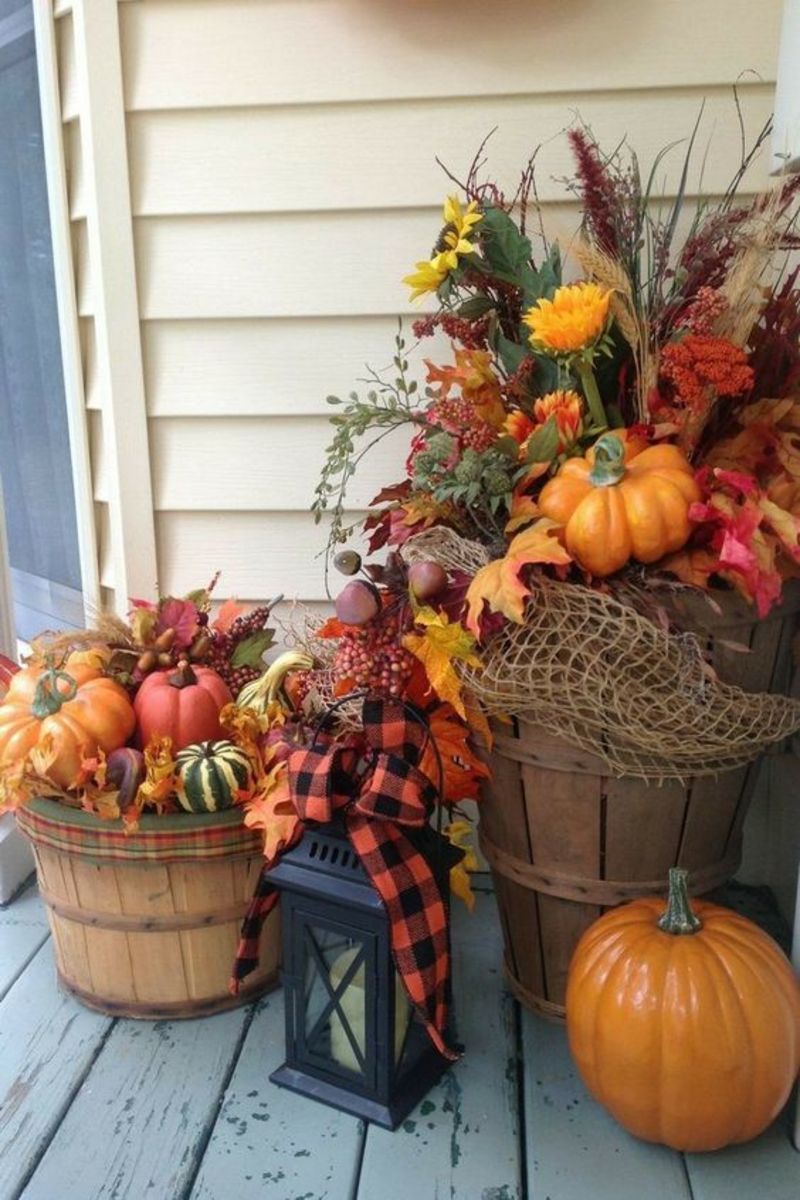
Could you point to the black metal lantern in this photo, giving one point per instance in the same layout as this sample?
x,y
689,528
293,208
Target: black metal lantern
x,y
352,1038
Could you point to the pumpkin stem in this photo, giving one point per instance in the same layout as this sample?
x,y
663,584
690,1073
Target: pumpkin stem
x,y
609,461
678,916
49,697
184,676
590,391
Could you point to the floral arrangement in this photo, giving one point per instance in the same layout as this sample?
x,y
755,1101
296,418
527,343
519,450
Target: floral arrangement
x,y
619,435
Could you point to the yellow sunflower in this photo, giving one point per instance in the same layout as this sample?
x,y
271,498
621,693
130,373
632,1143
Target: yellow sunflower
x,y
453,241
572,321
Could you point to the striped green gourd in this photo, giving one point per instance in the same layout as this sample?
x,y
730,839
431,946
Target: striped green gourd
x,y
209,774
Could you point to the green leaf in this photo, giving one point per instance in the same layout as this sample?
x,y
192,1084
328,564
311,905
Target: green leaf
x,y
505,248
512,354
543,444
540,282
249,652
476,306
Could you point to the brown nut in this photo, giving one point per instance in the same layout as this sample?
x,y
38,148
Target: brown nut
x,y
147,662
165,659
200,647
164,640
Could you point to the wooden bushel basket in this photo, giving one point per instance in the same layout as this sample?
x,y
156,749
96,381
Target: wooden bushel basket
x,y
566,840
146,924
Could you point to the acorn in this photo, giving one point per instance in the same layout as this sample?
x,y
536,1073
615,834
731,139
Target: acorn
x,y
165,659
164,640
348,562
200,647
147,662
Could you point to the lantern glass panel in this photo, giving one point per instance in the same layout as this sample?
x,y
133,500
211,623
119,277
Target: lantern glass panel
x,y
335,1011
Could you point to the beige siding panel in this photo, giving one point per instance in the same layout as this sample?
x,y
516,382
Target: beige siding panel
x,y
76,176
361,156
258,465
104,554
288,265
97,449
91,381
259,554
83,268
234,52
269,367
70,104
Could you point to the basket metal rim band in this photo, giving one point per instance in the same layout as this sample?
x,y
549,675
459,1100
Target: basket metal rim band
x,y
538,1004
130,923
169,1009
568,886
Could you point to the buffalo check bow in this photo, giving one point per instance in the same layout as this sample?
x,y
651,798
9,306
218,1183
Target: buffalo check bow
x,y
392,796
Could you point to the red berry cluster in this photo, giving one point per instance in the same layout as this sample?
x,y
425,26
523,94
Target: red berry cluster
x,y
471,334
457,416
223,647
373,658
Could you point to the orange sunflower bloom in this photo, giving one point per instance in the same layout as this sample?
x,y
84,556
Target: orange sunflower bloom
x,y
519,426
572,321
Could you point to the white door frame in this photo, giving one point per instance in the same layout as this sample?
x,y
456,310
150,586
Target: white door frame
x,y
8,640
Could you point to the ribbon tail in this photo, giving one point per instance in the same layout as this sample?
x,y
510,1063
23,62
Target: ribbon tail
x,y
264,899
418,920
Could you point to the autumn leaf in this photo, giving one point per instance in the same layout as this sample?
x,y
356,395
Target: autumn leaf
x,y
462,770
333,628
524,509
159,781
442,643
180,615
499,583
271,810
226,615
459,833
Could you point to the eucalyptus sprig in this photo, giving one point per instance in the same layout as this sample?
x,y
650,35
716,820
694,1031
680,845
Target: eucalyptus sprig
x,y
388,404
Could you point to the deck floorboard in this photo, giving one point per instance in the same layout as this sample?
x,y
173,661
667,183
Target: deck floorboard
x,y
146,1107
23,929
47,1044
462,1140
269,1144
92,1109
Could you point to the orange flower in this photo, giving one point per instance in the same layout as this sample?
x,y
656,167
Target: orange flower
x,y
700,366
573,320
567,408
518,425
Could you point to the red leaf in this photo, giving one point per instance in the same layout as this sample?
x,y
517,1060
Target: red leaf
x,y
180,615
226,615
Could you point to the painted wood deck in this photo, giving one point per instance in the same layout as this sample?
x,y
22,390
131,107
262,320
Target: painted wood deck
x,y
97,1109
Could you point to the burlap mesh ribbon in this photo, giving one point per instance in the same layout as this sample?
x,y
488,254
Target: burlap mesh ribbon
x,y
595,671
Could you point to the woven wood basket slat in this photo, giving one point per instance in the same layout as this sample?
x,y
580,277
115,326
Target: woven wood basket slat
x,y
148,926
566,840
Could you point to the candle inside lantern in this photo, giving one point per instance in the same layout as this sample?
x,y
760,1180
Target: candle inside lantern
x,y
352,1004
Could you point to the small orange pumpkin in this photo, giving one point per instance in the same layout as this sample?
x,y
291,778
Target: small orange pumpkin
x,y
78,707
622,502
181,703
684,1024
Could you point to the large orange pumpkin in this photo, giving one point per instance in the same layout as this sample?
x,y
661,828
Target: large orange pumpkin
x,y
78,707
684,1024
182,703
622,502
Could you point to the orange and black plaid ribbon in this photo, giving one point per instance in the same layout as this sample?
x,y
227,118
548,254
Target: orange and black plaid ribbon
x,y
392,796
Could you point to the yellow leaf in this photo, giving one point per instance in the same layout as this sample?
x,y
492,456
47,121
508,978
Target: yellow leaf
x,y
460,834
441,643
499,582
271,810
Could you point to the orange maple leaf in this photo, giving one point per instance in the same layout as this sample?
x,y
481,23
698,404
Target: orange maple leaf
x,y
333,628
271,810
461,769
499,583
226,615
440,644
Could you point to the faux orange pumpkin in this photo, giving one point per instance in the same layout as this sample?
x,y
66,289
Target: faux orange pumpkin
x,y
684,1024
78,707
622,502
182,703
